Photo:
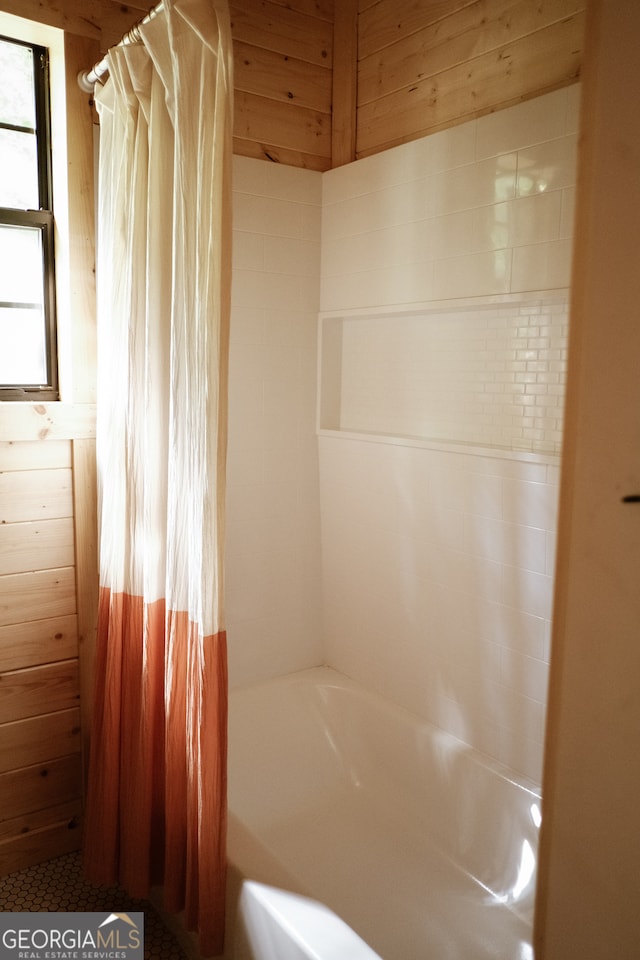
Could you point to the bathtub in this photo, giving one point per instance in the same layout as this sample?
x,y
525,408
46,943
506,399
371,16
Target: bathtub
x,y
357,832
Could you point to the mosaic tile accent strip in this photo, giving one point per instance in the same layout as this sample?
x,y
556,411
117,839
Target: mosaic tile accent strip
x,y
487,376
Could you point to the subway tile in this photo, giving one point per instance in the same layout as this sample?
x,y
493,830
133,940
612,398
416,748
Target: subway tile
x,y
527,676
252,541
510,626
406,283
351,217
245,502
548,640
246,419
551,550
444,566
510,747
280,332
547,166
279,464
483,496
453,716
280,402
542,118
445,150
258,178
292,183
423,521
403,284
478,184
448,486
406,202
478,274
248,251
509,543
251,288
480,578
311,222
493,226
339,293
366,176
452,234
511,469
536,219
268,217
541,266
567,219
574,95
515,712
398,203
249,176
249,213
245,290
247,326
530,504
342,255
293,256
282,218
308,294
529,591
553,474
411,242
406,243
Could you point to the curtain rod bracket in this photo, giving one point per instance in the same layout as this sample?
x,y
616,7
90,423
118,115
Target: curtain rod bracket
x,y
83,80
87,78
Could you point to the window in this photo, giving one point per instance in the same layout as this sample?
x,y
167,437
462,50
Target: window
x,y
28,364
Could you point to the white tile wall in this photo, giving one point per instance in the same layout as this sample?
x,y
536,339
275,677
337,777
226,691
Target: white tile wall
x,y
438,563
273,563
489,204
438,586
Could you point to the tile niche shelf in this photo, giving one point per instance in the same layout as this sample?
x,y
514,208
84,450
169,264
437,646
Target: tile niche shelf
x,y
486,373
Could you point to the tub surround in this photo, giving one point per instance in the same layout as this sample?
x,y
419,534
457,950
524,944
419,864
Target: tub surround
x,y
438,556
422,569
438,585
273,597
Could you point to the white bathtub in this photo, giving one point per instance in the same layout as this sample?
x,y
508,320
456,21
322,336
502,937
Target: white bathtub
x,y
356,832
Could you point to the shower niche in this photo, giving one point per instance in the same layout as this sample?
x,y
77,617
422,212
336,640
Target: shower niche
x,y
487,374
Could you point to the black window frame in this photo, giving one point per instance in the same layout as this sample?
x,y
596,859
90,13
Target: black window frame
x,y
42,220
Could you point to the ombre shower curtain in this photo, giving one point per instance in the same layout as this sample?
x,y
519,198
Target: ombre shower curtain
x,y
156,805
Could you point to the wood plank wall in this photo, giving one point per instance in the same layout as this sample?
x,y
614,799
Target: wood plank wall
x,y
428,65
48,581
283,62
48,555
422,65
40,762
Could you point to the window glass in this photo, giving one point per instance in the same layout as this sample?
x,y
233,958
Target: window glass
x,y
28,364
19,166
23,359
17,93
21,259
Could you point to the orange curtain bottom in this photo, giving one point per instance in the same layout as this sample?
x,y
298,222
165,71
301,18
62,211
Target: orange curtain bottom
x,y
157,790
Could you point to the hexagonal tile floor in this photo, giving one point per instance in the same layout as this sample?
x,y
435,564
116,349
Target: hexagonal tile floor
x,y
58,885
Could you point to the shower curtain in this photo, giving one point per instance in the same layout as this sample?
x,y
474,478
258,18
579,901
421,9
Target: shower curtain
x,y
156,804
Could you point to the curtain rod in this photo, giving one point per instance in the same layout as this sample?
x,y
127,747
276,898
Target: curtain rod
x,y
87,78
